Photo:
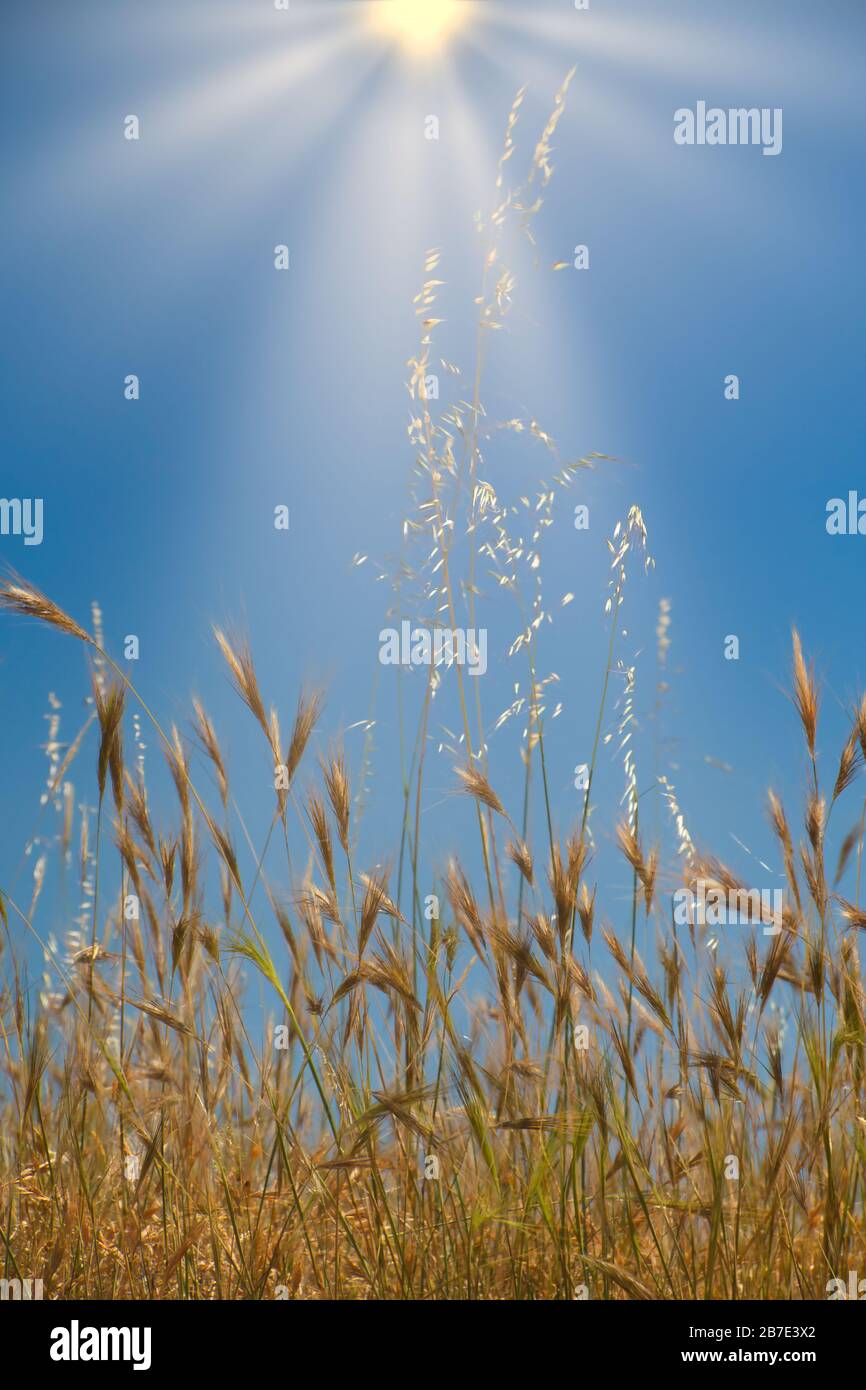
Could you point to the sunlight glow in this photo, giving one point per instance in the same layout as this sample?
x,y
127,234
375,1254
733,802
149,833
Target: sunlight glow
x,y
422,26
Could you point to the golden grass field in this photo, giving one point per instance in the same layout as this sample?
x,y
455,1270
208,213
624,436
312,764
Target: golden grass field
x,y
151,1147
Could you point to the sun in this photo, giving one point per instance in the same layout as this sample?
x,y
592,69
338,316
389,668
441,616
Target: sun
x,y
422,26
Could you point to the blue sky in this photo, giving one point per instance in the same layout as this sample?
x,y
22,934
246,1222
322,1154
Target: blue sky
x,y
258,387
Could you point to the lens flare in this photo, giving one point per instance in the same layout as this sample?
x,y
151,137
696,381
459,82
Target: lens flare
x,y
422,26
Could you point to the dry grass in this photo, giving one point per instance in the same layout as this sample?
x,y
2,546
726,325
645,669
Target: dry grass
x,y
151,1148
